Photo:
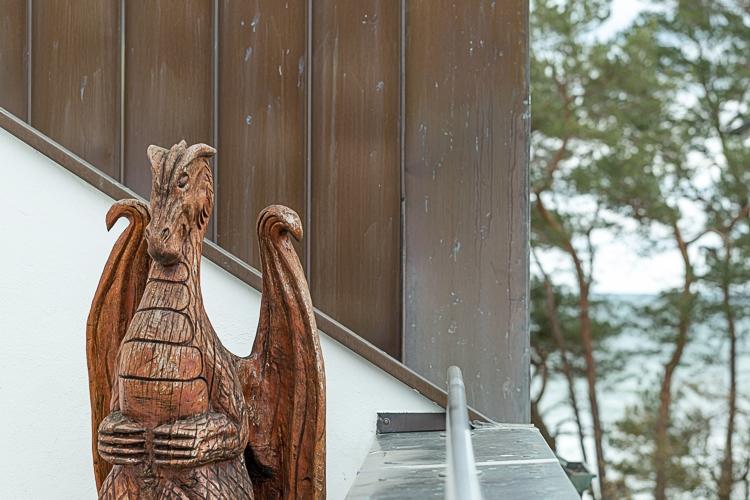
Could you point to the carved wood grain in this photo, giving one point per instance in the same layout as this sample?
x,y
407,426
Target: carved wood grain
x,y
186,418
117,296
286,365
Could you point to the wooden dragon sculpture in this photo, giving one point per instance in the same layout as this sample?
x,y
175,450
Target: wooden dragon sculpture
x,y
174,414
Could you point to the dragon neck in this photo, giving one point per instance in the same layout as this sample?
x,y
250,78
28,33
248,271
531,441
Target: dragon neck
x,y
186,271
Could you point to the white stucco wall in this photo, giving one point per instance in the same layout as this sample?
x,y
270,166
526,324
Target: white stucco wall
x,y
54,247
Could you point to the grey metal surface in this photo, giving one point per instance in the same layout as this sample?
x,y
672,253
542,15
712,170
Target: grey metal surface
x,y
461,481
513,462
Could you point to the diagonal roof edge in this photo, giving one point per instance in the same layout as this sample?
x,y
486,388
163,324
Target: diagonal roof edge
x,y
234,266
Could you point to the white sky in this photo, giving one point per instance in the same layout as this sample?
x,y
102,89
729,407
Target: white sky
x,y
618,266
622,14
619,269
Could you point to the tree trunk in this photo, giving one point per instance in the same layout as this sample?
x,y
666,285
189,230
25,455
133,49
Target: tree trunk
x,y
587,343
567,370
726,477
538,422
588,353
536,416
662,449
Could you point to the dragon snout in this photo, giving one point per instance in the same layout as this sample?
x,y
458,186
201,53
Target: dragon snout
x,y
162,247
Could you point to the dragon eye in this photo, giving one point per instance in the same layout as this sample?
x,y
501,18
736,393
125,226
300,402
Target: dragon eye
x,y
182,180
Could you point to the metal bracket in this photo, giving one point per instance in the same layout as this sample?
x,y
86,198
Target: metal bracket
x,y
410,422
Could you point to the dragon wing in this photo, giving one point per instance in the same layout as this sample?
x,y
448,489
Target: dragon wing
x,y
117,296
283,378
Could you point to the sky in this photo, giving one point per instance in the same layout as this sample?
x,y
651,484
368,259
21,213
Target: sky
x,y
622,14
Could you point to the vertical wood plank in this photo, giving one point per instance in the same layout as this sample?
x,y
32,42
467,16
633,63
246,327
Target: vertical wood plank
x,y
355,275
75,77
466,155
168,80
262,115
13,56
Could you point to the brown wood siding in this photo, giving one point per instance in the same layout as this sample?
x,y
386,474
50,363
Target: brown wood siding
x,y
168,80
466,198
398,130
355,266
13,69
75,72
262,117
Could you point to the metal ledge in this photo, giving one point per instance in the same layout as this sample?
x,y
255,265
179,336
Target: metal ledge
x,y
487,460
226,261
513,461
410,422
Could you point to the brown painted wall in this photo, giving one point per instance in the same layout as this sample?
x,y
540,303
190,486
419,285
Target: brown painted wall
x,y
13,56
398,130
262,107
75,67
466,198
356,176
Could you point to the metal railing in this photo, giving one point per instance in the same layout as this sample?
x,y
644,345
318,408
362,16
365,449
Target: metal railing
x,y
461,481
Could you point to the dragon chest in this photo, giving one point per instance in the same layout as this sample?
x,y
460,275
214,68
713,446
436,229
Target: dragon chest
x,y
161,368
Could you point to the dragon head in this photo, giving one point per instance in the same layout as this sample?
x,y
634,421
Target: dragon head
x,y
182,196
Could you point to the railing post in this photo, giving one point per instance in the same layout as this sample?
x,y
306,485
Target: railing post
x,y
461,478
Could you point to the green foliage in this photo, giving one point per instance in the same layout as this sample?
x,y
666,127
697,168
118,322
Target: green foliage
x,y
605,326
648,132
689,435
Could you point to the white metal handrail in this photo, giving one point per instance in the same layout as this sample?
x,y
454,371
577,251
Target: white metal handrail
x,y
461,482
